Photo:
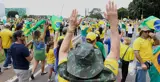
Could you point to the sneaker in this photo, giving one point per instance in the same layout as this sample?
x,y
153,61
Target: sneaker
x,y
44,73
32,77
7,67
50,80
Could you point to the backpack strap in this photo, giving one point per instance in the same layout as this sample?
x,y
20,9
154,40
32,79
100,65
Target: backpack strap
x,y
125,53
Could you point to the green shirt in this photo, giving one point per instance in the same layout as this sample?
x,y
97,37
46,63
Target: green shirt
x,y
101,47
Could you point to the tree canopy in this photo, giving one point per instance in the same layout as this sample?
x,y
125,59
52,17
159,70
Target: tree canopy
x,y
96,13
123,13
144,7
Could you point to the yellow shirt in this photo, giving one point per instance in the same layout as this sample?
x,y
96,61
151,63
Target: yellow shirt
x,y
144,46
129,56
102,35
62,37
6,36
50,57
111,64
51,30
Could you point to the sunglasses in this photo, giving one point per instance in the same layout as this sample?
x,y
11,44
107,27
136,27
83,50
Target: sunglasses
x,y
146,31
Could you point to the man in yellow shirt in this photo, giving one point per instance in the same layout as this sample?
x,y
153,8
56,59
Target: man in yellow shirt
x,y
6,40
143,51
85,63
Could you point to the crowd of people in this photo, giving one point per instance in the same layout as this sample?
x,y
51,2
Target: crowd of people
x,y
87,61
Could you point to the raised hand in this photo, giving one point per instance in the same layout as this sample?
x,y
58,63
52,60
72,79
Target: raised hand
x,y
73,22
112,15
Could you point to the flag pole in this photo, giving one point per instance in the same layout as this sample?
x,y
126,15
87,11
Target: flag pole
x,y
62,9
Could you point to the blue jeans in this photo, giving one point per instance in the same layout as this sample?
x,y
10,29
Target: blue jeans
x,y
141,74
8,58
56,77
83,39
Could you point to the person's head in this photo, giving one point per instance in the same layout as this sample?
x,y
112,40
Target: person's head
x,y
127,41
88,61
36,34
144,32
49,46
7,26
91,38
19,36
100,30
19,26
130,24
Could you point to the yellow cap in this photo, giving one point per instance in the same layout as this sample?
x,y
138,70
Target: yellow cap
x,y
91,35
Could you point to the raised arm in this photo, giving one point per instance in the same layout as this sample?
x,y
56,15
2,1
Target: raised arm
x,y
44,33
73,24
112,17
56,39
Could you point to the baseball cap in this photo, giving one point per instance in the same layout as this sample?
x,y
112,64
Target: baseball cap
x,y
92,36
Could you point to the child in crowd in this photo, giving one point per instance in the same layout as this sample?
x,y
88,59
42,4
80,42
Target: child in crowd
x,y
50,59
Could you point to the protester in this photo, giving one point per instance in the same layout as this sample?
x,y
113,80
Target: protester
x,y
100,45
50,59
130,31
57,45
126,56
85,58
21,57
39,50
6,40
84,29
143,51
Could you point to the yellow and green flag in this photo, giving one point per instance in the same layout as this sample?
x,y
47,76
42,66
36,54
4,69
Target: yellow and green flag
x,y
56,22
154,71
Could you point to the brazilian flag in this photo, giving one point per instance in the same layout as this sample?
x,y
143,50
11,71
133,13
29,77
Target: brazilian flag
x,y
56,22
154,71
152,23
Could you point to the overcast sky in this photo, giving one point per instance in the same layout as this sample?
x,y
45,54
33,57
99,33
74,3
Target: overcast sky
x,y
56,6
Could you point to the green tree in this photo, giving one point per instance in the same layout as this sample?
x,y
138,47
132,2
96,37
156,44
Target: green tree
x,y
12,13
96,13
123,13
144,7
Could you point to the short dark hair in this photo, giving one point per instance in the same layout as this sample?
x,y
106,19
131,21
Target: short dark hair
x,y
17,34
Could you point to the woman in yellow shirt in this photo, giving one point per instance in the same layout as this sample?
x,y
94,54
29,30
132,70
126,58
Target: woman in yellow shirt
x,y
50,59
126,55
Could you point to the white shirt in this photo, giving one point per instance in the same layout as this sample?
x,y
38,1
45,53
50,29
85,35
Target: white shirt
x,y
130,30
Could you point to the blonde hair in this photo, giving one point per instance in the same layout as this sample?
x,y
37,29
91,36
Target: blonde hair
x,y
127,40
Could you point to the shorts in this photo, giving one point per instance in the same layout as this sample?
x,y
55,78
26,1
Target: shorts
x,y
51,66
23,75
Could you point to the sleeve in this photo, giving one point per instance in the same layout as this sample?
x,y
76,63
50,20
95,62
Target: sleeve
x,y
112,64
25,52
103,51
136,45
106,41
